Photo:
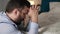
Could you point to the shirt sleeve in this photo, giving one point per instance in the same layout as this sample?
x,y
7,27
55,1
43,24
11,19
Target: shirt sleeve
x,y
8,29
33,28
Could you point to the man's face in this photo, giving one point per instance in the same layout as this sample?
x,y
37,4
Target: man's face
x,y
22,14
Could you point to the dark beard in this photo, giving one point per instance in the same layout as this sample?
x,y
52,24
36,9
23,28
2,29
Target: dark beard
x,y
19,21
21,26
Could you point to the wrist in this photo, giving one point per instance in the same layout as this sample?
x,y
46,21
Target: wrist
x,y
34,19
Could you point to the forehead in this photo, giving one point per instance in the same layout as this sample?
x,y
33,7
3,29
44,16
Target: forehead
x,y
25,9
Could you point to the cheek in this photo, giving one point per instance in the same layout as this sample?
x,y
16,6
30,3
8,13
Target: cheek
x,y
22,16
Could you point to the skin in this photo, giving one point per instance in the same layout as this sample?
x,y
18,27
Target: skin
x,y
33,13
19,15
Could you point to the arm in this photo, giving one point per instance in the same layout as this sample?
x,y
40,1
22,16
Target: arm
x,y
8,29
33,13
33,28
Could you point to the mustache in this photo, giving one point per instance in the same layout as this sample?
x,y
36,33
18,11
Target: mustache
x,y
20,24
23,25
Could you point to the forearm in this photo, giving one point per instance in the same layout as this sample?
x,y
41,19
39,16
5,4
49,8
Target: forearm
x,y
33,28
33,14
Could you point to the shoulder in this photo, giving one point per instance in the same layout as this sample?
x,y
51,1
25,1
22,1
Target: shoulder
x,y
4,27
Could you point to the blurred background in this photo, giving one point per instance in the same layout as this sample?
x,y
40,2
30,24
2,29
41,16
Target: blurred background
x,y
49,17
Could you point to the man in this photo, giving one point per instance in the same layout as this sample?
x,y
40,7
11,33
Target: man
x,y
16,11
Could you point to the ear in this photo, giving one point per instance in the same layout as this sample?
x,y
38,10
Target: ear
x,y
15,11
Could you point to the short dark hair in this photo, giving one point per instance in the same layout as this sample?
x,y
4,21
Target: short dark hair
x,y
12,4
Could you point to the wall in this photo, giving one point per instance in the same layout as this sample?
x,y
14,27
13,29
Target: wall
x,y
3,4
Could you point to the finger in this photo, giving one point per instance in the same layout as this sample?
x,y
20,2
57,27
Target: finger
x,y
33,6
37,7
